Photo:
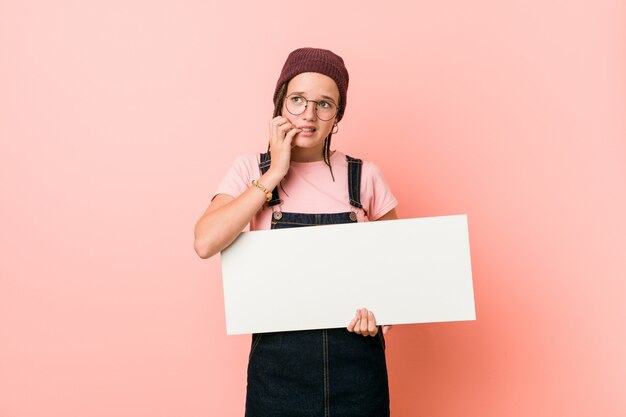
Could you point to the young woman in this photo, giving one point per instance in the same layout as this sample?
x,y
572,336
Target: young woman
x,y
301,182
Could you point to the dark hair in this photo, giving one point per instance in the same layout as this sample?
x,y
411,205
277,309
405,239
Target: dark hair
x,y
282,93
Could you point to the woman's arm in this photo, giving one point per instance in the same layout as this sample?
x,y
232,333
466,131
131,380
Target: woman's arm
x,y
226,217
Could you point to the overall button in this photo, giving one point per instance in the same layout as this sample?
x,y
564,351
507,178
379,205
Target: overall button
x,y
278,215
353,216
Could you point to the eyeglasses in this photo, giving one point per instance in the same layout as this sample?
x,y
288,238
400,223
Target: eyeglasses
x,y
325,109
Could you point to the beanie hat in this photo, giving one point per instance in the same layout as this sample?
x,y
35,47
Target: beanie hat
x,y
318,60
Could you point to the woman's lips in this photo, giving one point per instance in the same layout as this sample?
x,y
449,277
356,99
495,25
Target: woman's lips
x,y
307,130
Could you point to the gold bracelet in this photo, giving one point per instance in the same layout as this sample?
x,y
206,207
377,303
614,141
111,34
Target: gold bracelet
x,y
268,194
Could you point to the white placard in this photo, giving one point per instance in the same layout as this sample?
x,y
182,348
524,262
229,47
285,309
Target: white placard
x,y
405,271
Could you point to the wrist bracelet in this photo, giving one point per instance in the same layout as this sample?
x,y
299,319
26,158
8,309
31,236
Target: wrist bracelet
x,y
268,194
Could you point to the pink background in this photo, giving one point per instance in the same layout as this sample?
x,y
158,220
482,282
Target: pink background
x,y
118,119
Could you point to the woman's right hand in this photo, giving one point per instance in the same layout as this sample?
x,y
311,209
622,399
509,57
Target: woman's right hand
x,y
282,133
226,216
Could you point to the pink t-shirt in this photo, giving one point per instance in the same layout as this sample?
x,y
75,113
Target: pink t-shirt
x,y
309,188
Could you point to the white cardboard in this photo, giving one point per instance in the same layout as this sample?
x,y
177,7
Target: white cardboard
x,y
405,271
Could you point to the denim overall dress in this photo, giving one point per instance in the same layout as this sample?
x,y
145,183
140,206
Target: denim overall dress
x,y
317,373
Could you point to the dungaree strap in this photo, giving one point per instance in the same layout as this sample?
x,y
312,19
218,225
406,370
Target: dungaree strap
x,y
264,165
354,181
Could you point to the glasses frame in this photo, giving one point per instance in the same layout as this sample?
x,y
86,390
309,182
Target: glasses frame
x,y
307,104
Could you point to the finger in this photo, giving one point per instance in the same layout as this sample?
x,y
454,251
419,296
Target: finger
x,y
372,328
357,324
290,135
286,127
352,323
282,131
278,120
363,322
274,124
278,134
387,328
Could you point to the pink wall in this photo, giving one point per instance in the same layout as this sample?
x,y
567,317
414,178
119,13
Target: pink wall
x,y
118,118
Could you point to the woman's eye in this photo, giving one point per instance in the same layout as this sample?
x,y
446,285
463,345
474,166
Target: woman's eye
x,y
296,99
325,104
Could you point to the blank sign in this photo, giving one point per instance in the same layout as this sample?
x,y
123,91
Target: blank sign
x,y
405,271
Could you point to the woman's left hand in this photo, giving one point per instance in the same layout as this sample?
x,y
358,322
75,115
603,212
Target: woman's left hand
x,y
364,323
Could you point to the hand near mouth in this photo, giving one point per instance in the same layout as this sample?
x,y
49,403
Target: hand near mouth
x,y
282,133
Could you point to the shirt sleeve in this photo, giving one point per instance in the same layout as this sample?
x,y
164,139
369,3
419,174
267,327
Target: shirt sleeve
x,y
378,199
239,176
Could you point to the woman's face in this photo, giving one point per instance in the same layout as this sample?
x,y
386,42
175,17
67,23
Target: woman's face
x,y
311,86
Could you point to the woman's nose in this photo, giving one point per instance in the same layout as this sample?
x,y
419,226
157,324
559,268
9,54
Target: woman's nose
x,y
310,111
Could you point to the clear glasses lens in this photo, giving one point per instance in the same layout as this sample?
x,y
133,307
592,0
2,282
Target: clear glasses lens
x,y
296,105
